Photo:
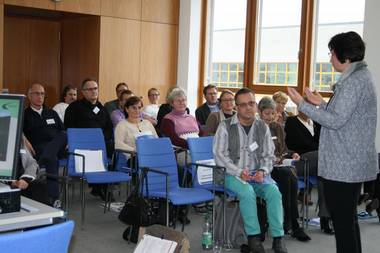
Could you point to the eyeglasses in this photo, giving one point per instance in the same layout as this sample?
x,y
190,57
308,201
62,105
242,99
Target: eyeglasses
x,y
212,93
91,89
154,95
245,105
42,94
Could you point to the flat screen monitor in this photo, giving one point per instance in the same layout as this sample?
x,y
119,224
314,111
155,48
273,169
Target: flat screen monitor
x,y
11,118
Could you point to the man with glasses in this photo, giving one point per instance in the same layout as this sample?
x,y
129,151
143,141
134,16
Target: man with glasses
x,y
114,104
47,139
90,113
210,92
243,145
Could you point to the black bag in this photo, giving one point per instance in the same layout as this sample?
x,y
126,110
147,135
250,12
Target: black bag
x,y
140,211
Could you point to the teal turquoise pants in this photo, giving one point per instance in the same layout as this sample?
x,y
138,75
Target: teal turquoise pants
x,y
247,194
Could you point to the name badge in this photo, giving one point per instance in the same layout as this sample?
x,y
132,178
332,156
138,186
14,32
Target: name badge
x,y
253,146
96,110
274,137
50,121
22,151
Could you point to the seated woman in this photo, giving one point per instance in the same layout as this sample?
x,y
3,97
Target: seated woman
x,y
68,95
281,115
129,129
302,136
285,176
179,125
120,114
227,103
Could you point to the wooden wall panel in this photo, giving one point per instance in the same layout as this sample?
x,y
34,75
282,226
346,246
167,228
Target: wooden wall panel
x,y
121,8
79,6
161,11
119,55
42,4
80,49
31,54
158,67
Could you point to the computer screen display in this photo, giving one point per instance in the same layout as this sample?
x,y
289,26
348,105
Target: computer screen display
x,y
11,117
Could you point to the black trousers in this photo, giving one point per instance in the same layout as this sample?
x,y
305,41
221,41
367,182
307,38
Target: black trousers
x,y
341,201
287,182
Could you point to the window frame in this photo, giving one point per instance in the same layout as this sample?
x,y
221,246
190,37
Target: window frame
x,y
304,55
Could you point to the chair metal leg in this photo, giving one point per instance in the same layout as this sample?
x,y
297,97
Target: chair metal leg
x,y
106,200
83,204
185,218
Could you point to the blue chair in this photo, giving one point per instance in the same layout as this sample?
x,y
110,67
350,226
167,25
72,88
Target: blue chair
x,y
54,238
156,158
90,139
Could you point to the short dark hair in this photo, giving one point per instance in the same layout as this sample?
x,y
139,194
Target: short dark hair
x,y
125,92
88,80
121,84
347,46
206,88
66,89
132,101
243,91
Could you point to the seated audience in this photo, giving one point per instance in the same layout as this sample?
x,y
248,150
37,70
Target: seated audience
x,y
166,108
120,113
114,104
27,181
129,129
152,109
68,95
302,136
90,113
45,131
284,175
178,125
227,104
244,146
281,99
210,92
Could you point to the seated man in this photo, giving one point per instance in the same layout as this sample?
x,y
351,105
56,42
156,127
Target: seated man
x,y
45,132
243,145
114,104
27,173
210,92
90,113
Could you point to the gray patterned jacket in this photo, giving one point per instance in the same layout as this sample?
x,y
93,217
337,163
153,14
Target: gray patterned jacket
x,y
347,142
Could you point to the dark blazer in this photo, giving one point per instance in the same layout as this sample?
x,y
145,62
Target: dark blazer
x,y
298,137
202,113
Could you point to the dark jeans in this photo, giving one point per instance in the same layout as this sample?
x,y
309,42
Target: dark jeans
x,y
287,182
37,190
47,155
341,201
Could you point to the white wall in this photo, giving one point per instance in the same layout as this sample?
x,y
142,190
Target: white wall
x,y
372,38
188,50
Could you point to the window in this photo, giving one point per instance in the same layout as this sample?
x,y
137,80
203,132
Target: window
x,y
333,17
226,43
277,41
271,44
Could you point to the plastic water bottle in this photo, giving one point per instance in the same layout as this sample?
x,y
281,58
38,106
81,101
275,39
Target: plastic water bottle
x,y
207,234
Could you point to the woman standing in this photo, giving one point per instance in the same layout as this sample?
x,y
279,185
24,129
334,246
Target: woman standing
x,y
347,155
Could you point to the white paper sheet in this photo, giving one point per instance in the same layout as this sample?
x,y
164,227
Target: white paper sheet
x,y
204,174
149,244
93,161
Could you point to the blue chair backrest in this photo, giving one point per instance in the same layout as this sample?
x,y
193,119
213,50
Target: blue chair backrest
x,y
200,149
157,153
85,138
54,238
